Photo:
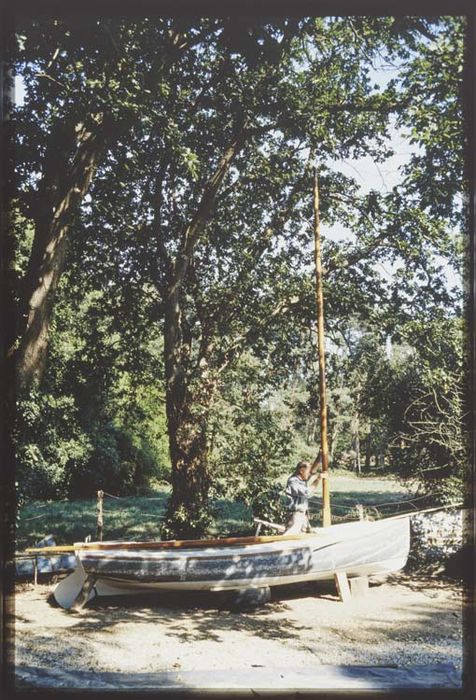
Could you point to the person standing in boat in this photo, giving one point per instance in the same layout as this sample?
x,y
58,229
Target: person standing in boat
x,y
299,488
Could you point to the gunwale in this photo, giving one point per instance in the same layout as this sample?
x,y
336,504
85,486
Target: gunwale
x,y
176,544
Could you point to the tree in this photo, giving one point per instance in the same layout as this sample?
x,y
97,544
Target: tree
x,y
215,171
98,420
429,445
84,81
202,209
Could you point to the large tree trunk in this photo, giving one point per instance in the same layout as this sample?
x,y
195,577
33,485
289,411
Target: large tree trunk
x,y
64,183
187,415
189,392
188,514
59,197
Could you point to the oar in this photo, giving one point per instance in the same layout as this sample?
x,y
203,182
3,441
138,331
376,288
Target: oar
x,y
51,550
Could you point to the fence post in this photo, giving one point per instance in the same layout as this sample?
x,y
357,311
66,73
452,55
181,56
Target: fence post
x,y
100,516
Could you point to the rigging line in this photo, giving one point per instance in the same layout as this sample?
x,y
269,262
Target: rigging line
x,y
153,498
157,516
45,505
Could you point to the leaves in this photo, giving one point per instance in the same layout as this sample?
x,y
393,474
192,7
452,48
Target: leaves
x,y
205,198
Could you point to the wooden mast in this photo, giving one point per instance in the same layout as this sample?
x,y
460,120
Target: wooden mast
x,y
326,508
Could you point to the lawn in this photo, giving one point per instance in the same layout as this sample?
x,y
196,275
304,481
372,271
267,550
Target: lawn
x,y
136,517
139,517
380,496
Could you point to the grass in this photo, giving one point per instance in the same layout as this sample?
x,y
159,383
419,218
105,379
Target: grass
x,y
139,517
378,497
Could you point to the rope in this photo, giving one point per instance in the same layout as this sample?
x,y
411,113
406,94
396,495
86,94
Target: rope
x,y
317,508
47,505
312,510
389,503
408,500
136,516
143,498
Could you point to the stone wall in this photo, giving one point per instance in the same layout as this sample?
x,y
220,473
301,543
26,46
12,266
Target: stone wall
x,y
436,537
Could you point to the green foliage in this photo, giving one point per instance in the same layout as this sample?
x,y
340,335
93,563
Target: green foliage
x,y
189,521
251,431
409,399
429,443
97,421
266,500
57,457
115,464
289,88
403,402
51,445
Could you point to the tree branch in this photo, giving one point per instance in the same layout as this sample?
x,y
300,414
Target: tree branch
x,y
335,108
231,352
195,227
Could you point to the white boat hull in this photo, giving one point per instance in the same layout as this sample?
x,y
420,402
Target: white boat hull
x,y
358,549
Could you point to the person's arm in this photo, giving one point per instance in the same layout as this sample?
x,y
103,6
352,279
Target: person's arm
x,y
319,476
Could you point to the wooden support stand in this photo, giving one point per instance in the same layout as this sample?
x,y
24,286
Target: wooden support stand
x,y
100,512
342,585
347,589
359,586
83,595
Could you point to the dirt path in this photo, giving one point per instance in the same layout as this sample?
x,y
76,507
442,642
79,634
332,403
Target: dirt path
x,y
404,621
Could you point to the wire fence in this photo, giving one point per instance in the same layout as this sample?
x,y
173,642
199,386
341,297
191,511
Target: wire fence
x,y
110,495
357,509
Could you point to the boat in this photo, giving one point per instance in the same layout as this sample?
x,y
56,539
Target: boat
x,y
113,568
32,563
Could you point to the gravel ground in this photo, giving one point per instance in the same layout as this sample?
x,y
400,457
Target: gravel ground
x,y
406,620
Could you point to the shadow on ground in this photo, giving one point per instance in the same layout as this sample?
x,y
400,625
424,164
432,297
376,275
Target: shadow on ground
x,y
210,615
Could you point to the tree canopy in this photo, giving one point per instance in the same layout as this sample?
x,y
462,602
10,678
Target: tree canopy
x,y
163,217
